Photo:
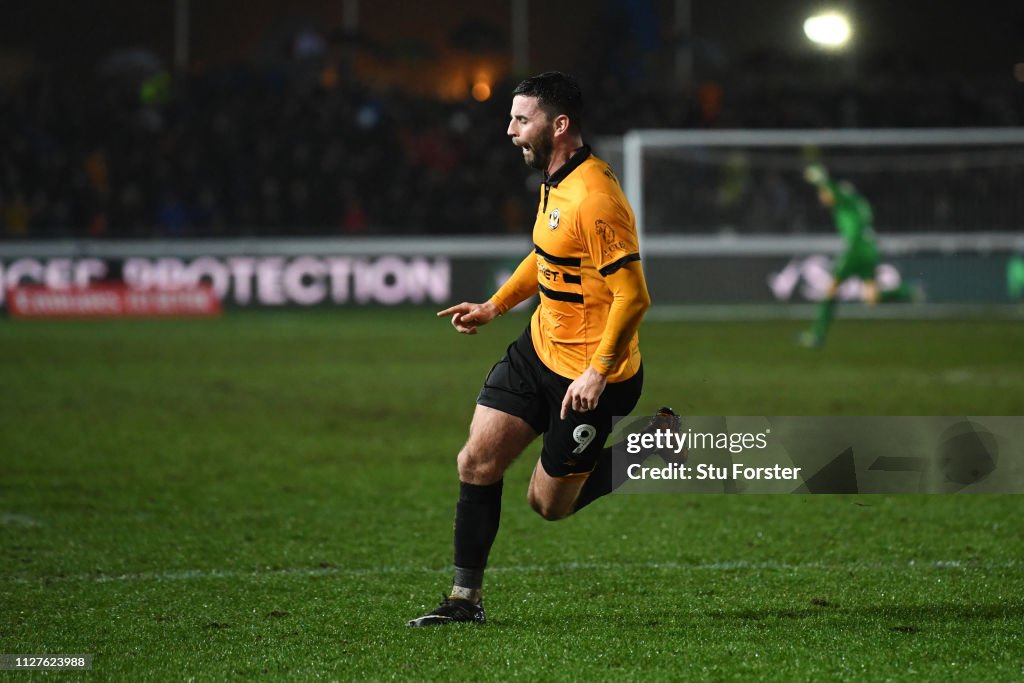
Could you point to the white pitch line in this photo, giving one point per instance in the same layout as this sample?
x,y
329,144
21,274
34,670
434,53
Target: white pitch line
x,y
14,519
726,565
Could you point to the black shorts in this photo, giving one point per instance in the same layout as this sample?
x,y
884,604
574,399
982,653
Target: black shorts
x,y
521,385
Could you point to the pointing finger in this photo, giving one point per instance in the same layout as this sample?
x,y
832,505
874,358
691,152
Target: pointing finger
x,y
453,309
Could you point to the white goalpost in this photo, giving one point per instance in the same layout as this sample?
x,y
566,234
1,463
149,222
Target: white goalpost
x,y
964,183
728,222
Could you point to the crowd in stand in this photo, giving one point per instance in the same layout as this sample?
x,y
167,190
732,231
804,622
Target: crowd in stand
x,y
256,151
251,153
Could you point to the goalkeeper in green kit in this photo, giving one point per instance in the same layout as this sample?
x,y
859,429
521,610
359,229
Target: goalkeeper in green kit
x,y
854,219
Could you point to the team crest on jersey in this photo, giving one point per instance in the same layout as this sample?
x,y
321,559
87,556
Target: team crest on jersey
x,y
553,219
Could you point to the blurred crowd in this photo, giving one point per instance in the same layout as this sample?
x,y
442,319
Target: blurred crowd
x,y
259,151
251,152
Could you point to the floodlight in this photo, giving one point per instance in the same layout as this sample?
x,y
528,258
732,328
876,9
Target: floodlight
x,y
830,29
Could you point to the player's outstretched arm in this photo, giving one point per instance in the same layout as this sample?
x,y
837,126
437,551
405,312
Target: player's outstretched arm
x,y
520,287
467,317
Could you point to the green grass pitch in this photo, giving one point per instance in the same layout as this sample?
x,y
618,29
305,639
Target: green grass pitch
x,y
270,496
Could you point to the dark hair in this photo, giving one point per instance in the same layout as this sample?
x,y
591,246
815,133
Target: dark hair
x,y
557,93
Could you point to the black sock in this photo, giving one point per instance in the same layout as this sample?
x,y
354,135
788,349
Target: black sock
x,y
605,478
601,481
476,524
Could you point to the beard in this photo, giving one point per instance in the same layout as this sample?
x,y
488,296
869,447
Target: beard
x,y
539,154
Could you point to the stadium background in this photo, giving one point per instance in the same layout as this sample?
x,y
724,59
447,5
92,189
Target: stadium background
x,y
270,492
340,120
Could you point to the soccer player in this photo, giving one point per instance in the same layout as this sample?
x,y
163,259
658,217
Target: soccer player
x,y
854,222
1015,277
578,362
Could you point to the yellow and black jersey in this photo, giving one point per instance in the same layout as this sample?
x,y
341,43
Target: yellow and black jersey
x,y
585,265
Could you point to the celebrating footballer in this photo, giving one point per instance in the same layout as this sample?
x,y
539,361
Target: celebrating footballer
x,y
577,364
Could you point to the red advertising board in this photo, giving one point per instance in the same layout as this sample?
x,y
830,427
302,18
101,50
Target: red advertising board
x,y
111,301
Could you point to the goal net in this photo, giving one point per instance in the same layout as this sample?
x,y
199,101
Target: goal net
x,y
692,182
